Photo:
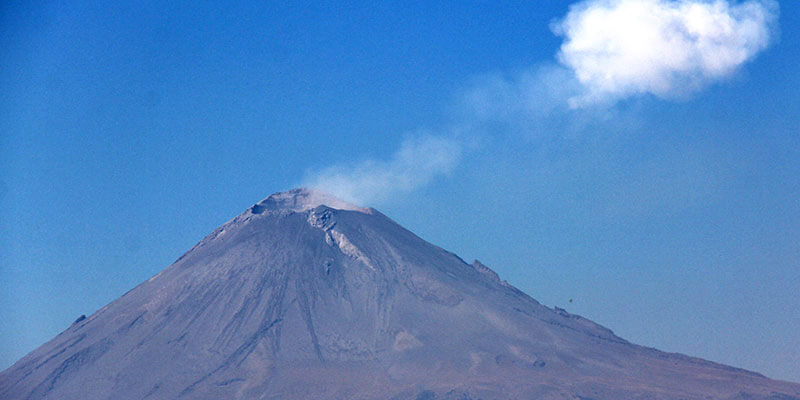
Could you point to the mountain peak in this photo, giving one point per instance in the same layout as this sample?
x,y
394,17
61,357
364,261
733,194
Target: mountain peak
x,y
294,299
304,199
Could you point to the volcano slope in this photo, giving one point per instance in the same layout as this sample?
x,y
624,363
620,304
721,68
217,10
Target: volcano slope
x,y
304,296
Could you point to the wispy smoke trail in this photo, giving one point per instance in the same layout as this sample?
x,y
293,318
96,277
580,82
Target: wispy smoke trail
x,y
417,162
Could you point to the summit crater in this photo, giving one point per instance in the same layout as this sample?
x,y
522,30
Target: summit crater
x,y
304,199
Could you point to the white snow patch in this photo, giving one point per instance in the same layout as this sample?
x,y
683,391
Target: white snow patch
x,y
475,362
404,341
347,247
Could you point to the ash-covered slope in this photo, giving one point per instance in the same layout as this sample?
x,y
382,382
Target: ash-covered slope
x,y
304,296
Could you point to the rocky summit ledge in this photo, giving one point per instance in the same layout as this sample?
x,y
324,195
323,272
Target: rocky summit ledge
x,y
304,199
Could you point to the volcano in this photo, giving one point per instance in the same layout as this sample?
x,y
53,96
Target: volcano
x,y
304,296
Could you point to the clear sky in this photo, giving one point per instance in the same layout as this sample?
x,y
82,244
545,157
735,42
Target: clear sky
x,y
640,157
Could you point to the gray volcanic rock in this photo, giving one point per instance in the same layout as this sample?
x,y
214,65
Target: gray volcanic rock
x,y
304,296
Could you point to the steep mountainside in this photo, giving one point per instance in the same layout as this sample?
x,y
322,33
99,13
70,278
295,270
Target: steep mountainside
x,y
304,296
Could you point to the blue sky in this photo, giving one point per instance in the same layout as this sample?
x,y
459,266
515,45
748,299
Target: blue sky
x,y
663,200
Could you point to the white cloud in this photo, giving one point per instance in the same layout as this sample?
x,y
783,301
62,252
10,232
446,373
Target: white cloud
x,y
612,49
418,161
668,48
